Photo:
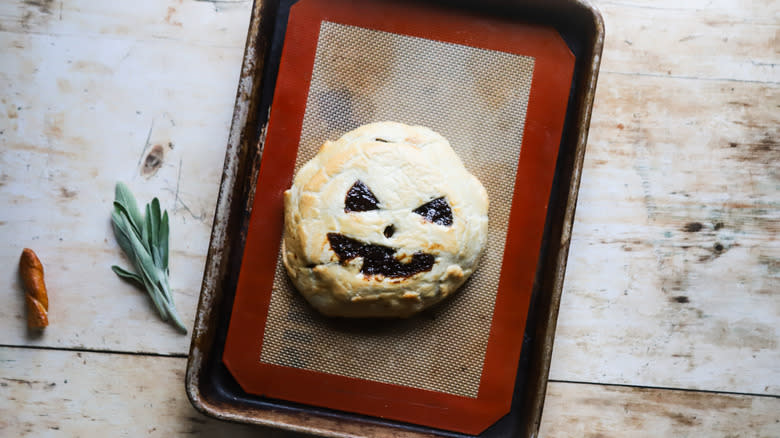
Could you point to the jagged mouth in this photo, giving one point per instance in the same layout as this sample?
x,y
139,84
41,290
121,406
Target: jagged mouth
x,y
378,259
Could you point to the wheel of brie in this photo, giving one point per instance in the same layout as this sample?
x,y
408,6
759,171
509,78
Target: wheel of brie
x,y
383,222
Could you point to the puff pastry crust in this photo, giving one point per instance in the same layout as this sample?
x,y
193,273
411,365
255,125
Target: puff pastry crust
x,y
383,222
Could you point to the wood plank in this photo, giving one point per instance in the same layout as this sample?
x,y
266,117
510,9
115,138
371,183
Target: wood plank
x,y
78,110
79,114
64,393
703,39
203,23
591,411
736,40
673,275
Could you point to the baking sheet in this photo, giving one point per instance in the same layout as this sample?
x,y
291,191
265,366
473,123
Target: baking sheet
x,y
211,388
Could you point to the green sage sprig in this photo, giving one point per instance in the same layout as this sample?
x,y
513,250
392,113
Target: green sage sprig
x,y
145,241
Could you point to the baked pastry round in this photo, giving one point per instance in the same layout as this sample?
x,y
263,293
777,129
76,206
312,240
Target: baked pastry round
x,y
383,222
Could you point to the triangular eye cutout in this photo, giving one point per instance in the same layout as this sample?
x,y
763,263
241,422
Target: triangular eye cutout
x,y
437,211
360,198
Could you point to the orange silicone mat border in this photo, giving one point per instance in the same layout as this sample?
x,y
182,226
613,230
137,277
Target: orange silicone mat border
x,y
553,69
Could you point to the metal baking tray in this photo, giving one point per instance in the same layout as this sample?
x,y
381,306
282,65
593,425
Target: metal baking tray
x,y
211,388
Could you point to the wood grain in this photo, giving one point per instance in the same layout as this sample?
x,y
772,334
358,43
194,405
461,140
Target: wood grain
x,y
731,40
202,23
69,394
677,225
674,268
591,411
80,113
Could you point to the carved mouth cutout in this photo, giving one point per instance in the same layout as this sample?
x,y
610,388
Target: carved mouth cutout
x,y
380,259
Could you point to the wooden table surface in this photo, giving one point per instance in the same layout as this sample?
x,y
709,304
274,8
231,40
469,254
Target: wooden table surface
x,y
670,312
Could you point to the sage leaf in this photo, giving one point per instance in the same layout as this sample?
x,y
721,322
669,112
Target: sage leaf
x,y
128,275
125,199
145,242
163,243
153,219
120,226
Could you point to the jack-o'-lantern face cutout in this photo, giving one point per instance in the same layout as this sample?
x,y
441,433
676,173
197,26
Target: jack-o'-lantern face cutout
x,y
380,259
383,222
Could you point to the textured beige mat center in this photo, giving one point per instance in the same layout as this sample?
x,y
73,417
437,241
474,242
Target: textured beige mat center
x,y
477,99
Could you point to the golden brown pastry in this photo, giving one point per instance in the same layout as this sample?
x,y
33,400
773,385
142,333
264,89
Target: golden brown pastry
x,y
383,222
31,272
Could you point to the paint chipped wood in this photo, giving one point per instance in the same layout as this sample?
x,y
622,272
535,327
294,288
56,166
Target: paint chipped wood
x,y
585,410
677,225
67,393
735,40
673,273
85,107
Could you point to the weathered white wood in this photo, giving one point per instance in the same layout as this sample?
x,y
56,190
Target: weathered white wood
x,y
591,411
221,23
68,394
80,113
698,39
65,393
672,277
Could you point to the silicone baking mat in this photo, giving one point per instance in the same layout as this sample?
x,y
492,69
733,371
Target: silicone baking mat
x,y
361,76
471,79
